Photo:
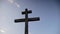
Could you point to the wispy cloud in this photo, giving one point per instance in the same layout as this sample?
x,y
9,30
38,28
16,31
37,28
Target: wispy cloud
x,y
13,2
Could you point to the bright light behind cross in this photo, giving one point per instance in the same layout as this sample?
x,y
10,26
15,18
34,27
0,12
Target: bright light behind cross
x,y
12,1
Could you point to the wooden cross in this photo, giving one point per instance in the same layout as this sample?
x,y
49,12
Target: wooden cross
x,y
26,19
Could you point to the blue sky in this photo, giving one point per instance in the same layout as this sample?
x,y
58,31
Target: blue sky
x,y
47,10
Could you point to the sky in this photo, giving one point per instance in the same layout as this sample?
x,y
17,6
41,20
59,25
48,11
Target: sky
x,y
47,10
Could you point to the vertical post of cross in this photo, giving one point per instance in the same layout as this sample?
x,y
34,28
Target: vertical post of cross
x,y
26,21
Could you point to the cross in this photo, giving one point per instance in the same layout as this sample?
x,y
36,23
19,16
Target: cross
x,y
26,19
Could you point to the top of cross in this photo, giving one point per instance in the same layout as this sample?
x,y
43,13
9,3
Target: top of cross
x,y
26,10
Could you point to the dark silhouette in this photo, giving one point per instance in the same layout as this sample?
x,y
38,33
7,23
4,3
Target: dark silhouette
x,y
26,20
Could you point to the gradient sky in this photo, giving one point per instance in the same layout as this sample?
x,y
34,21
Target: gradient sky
x,y
47,10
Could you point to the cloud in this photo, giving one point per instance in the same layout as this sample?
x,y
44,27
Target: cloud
x,y
29,32
17,4
12,1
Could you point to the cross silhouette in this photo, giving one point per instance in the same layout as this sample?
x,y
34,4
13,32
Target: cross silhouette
x,y
26,19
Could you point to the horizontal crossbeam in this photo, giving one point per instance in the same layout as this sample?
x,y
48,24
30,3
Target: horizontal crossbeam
x,y
27,12
29,19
